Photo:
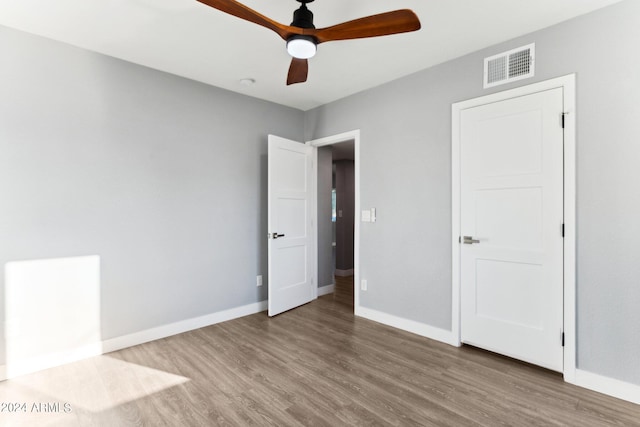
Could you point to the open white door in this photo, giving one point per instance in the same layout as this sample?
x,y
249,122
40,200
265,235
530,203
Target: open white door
x,y
290,225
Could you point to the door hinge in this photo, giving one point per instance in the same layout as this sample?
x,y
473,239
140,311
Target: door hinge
x,y
562,230
562,117
563,339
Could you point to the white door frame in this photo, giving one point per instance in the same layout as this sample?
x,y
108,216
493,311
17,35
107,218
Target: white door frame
x,y
567,83
322,142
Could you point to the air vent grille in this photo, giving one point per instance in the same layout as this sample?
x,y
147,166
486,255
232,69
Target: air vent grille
x,y
506,67
497,69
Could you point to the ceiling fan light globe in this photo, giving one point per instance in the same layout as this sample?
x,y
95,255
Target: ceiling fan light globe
x,y
301,47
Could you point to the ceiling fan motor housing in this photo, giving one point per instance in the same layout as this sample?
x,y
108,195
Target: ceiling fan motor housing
x,y
303,17
302,46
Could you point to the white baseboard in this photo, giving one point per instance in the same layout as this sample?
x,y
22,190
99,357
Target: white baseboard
x,y
324,290
164,331
412,326
343,273
130,340
605,385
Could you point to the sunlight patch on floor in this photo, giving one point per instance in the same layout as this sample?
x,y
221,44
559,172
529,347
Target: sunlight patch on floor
x,y
106,383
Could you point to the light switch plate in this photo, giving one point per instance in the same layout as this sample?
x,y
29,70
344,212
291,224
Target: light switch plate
x,y
366,216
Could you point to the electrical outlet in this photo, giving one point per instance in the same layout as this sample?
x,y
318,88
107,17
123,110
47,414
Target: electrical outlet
x,y
363,285
259,280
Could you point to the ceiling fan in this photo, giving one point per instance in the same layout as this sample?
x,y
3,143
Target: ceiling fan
x,y
302,37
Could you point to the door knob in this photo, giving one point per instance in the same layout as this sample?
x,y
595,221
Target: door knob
x,y
276,235
469,240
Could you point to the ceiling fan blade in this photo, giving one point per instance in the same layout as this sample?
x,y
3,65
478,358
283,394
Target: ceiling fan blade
x,y
298,71
383,24
241,11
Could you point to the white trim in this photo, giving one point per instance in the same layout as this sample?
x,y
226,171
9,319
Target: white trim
x,y
455,224
568,84
314,222
570,262
182,326
336,139
343,273
422,329
326,290
130,340
612,387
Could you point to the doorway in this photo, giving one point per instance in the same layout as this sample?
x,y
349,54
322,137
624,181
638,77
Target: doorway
x,y
337,204
513,160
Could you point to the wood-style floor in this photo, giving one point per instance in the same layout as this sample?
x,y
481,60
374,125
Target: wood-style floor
x,y
315,365
343,290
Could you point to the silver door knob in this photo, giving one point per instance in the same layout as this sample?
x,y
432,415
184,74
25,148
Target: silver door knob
x,y
469,240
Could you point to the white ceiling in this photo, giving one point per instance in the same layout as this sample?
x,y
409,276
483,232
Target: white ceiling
x,y
187,38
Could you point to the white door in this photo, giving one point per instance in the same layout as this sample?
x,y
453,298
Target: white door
x,y
511,266
290,227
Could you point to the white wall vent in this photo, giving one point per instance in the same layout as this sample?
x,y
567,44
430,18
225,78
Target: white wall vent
x,y
510,66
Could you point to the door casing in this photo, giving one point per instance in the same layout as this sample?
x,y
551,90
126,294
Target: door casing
x,y
567,83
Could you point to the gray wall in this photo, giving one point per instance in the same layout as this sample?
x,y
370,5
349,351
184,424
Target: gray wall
x,y
405,173
325,225
162,177
345,205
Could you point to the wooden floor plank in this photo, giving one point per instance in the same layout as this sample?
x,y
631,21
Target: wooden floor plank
x,y
317,365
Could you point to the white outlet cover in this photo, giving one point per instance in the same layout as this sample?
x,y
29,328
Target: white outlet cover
x,y
366,216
